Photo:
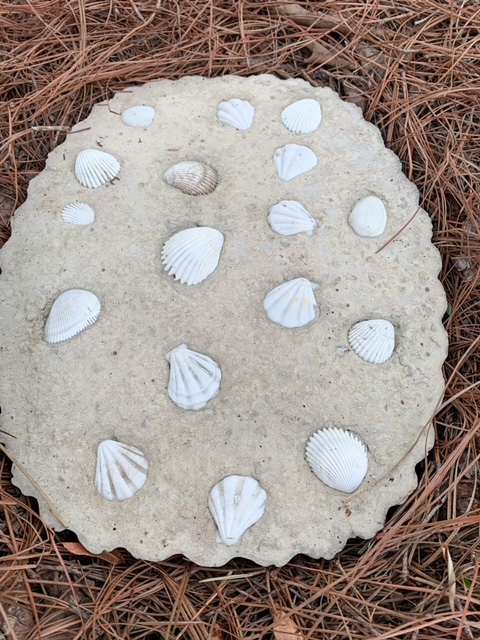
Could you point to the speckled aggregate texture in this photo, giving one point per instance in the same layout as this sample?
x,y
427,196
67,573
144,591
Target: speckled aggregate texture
x,y
278,385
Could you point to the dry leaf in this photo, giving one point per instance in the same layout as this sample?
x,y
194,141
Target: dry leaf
x,y
306,18
114,557
285,629
329,56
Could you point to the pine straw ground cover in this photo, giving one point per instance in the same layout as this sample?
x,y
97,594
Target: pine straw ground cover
x,y
414,68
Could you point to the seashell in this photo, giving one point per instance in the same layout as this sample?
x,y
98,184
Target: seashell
x,y
292,304
368,217
94,168
121,470
139,116
192,178
72,312
289,217
237,113
193,254
236,503
194,378
338,458
373,340
78,213
293,160
302,116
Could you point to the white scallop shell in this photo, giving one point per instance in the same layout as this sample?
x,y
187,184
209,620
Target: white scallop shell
x,y
72,312
373,340
193,254
121,470
139,116
94,168
292,304
78,213
237,113
368,217
302,116
289,217
338,458
191,177
293,160
194,378
236,503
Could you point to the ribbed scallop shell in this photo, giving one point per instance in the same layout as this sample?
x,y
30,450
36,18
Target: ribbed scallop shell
x,y
236,503
94,168
191,177
292,304
338,458
293,160
237,113
78,213
139,116
193,254
194,378
289,217
72,312
368,217
302,116
373,340
121,470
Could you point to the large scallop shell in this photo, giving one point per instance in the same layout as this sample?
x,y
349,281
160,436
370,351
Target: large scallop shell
x,y
302,116
121,470
368,217
72,312
78,213
94,168
237,113
236,503
293,160
292,304
289,217
139,116
338,458
194,378
373,340
193,254
191,177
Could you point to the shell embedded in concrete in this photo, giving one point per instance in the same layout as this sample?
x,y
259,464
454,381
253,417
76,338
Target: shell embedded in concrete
x,y
292,304
94,168
293,160
79,213
193,254
72,312
139,116
373,340
303,116
236,113
368,217
289,217
121,470
192,177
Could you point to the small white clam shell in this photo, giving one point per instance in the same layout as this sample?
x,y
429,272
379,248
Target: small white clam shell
x,y
293,160
236,113
72,312
338,458
368,217
292,304
121,470
373,340
139,116
302,116
193,254
236,503
194,378
94,168
289,217
78,213
192,177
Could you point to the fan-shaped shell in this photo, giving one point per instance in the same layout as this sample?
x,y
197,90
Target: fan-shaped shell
x,y
237,113
302,116
72,312
121,470
373,340
194,378
191,177
368,217
292,304
236,503
338,458
293,160
94,168
193,254
289,217
139,116
78,213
